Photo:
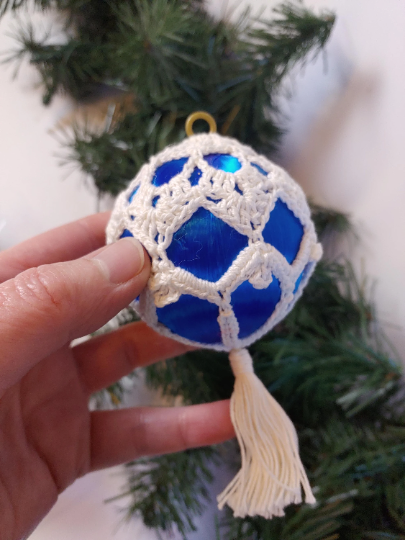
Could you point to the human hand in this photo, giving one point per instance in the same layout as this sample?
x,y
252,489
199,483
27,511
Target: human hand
x,y
55,288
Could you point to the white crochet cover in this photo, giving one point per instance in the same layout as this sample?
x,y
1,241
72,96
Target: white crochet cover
x,y
244,200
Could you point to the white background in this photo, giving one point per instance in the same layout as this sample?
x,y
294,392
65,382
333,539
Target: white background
x,y
345,145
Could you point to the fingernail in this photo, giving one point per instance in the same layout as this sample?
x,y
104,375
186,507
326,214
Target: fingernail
x,y
121,260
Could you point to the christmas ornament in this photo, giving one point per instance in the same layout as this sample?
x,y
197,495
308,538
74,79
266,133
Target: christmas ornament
x,y
232,246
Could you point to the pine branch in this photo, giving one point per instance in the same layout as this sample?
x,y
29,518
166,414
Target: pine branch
x,y
395,497
170,491
352,469
268,53
304,523
156,47
197,377
173,58
72,66
286,40
329,222
113,159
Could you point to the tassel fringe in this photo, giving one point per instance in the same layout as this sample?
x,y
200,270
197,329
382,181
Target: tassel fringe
x,y
271,474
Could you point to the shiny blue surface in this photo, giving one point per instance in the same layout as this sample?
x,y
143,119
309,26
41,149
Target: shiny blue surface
x,y
155,200
297,283
205,246
167,171
223,162
130,198
301,276
125,233
195,176
259,169
192,318
253,307
284,231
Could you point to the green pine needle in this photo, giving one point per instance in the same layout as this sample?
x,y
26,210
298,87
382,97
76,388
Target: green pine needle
x,y
160,491
173,58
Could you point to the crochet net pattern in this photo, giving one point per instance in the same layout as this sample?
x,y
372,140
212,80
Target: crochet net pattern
x,y
230,237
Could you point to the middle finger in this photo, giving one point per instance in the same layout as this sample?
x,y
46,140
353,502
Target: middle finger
x,y
103,360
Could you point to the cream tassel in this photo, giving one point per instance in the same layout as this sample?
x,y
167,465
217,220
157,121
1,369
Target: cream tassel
x,y
271,474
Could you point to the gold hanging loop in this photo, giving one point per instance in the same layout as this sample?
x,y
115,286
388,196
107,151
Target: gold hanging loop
x,y
200,115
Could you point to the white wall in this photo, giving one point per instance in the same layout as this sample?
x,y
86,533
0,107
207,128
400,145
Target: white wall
x,y
345,143
352,154
36,193
345,146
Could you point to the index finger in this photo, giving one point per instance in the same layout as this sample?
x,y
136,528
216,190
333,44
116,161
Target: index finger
x,y
62,244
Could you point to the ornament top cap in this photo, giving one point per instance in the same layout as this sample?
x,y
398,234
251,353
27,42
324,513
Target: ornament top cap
x,y
200,115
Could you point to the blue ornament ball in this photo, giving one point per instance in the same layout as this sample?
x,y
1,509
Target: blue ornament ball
x,y
230,237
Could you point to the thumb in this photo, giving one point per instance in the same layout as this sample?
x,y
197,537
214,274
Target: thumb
x,y
46,307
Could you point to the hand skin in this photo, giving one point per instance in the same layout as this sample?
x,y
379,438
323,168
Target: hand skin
x,y
54,288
